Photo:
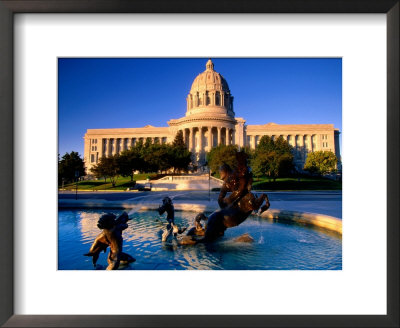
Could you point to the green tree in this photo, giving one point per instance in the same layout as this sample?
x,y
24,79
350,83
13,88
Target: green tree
x,y
156,158
279,145
321,162
272,158
68,165
178,141
129,161
222,155
107,167
179,156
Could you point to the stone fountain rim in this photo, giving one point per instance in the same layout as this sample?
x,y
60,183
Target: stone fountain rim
x,y
322,221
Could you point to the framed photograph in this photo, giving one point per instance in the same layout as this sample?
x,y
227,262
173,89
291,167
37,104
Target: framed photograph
x,y
195,131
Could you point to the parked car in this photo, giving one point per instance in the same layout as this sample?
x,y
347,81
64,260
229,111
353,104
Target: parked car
x,y
147,186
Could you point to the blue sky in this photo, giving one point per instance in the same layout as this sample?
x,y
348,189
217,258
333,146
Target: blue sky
x,y
98,93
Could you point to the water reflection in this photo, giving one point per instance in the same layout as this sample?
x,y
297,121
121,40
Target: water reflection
x,y
276,246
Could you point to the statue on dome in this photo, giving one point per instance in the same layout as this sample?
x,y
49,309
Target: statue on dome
x,y
111,236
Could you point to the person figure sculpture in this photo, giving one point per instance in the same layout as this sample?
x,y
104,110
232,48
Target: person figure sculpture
x,y
111,236
198,229
235,208
171,230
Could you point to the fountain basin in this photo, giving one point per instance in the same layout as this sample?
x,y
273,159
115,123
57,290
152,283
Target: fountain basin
x,y
281,242
306,218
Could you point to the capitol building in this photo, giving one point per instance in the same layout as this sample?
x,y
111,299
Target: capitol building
x,y
210,121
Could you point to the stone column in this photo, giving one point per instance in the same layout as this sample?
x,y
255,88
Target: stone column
x,y
116,144
227,141
301,146
107,151
210,138
301,141
253,141
184,136
219,135
200,139
112,145
191,139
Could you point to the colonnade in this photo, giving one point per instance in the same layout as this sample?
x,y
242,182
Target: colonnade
x,y
208,98
307,142
204,138
113,146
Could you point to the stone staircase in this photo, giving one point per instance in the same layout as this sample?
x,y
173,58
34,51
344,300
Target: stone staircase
x,y
185,182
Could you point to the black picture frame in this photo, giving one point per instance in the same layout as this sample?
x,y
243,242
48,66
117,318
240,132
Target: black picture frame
x,y
10,7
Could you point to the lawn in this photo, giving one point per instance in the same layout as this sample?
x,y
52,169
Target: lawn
x,y
304,183
122,183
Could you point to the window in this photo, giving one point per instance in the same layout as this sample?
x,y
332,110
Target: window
x,y
217,98
92,158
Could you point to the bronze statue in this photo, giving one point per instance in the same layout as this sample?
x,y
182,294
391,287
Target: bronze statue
x,y
171,230
245,238
167,206
235,208
196,233
198,229
111,236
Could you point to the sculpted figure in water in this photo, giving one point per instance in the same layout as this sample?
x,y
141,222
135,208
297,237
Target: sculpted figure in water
x,y
171,230
235,208
111,236
198,229
167,206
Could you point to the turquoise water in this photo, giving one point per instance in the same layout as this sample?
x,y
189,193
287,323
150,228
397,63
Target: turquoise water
x,y
276,246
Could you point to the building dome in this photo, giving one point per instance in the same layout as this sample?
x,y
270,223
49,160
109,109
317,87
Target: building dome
x,y
210,93
209,80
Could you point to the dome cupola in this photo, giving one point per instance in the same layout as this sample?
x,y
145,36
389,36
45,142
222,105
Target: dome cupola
x,y
210,94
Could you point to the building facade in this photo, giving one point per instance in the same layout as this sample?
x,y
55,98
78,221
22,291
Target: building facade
x,y
210,121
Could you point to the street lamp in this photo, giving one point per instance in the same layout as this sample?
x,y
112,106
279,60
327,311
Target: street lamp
x,y
209,181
